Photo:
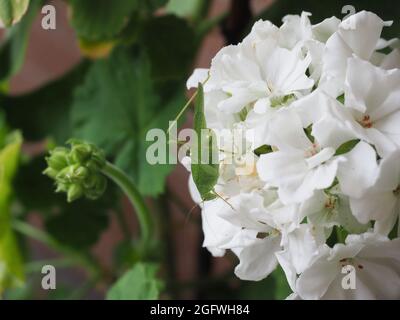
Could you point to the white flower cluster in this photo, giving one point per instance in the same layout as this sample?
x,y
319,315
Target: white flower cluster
x,y
317,187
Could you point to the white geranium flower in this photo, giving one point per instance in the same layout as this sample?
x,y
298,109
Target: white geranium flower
x,y
381,202
293,32
299,166
220,234
273,73
257,260
325,29
376,262
372,95
239,224
301,247
359,172
358,35
331,208
247,210
298,159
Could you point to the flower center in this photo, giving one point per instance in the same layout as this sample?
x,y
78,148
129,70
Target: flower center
x,y
280,100
366,122
330,203
312,151
346,261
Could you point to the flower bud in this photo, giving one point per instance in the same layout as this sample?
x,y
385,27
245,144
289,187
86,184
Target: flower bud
x,y
50,172
81,173
58,159
80,153
99,186
75,191
77,171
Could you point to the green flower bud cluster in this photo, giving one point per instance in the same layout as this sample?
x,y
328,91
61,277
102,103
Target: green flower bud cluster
x,y
77,170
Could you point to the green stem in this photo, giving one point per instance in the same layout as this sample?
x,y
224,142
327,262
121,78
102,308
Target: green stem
x,y
167,244
182,111
136,199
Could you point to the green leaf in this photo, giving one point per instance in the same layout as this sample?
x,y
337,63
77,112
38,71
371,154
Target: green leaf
x,y
274,287
258,290
282,290
114,109
11,265
11,11
33,189
341,99
99,20
139,283
308,132
264,149
203,152
45,112
79,224
346,147
171,51
394,233
13,48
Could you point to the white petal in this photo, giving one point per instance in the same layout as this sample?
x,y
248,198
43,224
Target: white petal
x,y
295,29
282,168
312,108
244,210
392,60
384,226
238,100
368,92
194,192
199,76
389,126
293,137
315,281
361,32
286,72
262,106
358,35
323,30
359,171
230,65
373,206
383,144
333,130
321,157
287,266
301,247
217,231
258,260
